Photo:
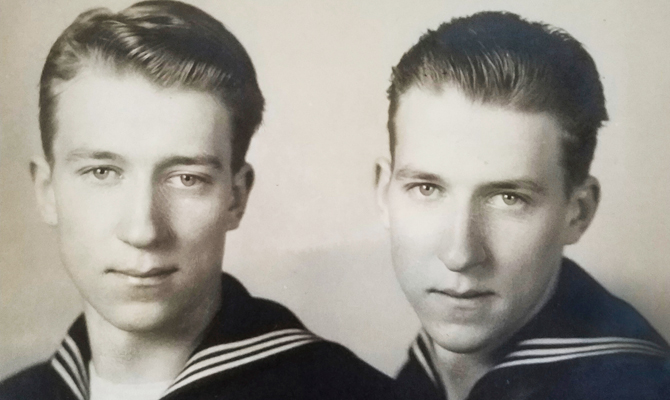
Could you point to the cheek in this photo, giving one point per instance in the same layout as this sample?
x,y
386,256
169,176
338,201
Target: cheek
x,y
525,239
416,235
414,243
85,216
527,254
414,228
194,220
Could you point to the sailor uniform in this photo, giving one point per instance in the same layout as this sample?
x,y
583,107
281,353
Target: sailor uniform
x,y
583,344
253,349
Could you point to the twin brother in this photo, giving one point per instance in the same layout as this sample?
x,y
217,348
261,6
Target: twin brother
x,y
146,116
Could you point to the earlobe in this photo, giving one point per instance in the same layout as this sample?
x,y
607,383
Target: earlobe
x,y
583,205
383,172
41,173
243,181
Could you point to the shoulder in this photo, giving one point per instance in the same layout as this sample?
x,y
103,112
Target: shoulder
x,y
244,316
258,348
36,382
287,367
333,371
329,369
625,377
586,309
589,344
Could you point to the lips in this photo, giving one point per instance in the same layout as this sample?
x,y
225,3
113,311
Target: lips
x,y
143,276
470,294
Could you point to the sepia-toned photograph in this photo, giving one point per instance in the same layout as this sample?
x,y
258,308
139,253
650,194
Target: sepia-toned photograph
x,y
258,199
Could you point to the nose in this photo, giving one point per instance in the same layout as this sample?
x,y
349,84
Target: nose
x,y
141,224
463,243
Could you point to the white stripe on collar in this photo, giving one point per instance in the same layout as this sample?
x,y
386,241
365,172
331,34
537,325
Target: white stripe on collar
x,y
230,351
423,355
69,364
205,363
540,351
67,378
550,350
422,360
545,360
77,357
63,355
227,364
581,349
241,343
577,341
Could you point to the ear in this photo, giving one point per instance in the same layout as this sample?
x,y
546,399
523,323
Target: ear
x,y
383,173
242,182
583,205
40,171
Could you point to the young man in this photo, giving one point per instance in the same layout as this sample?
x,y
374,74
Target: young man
x,y
146,116
493,124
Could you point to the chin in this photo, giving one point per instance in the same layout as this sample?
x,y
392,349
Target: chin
x,y
462,339
139,318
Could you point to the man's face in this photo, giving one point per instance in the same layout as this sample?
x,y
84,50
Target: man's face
x,y
477,213
142,195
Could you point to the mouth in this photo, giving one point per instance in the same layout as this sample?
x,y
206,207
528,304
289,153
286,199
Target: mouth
x,y
471,294
143,277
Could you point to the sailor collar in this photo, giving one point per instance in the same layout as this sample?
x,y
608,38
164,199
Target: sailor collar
x,y
240,334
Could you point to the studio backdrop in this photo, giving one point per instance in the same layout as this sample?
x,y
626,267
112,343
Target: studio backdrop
x,y
311,237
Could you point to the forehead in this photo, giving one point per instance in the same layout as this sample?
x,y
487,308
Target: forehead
x,y
445,132
130,115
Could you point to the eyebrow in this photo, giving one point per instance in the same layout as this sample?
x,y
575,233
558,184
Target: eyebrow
x,y
85,154
201,160
171,161
508,184
514,184
410,173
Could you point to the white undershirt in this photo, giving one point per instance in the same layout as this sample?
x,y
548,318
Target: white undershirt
x,y
102,389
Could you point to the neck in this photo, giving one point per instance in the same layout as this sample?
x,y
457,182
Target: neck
x,y
124,356
460,372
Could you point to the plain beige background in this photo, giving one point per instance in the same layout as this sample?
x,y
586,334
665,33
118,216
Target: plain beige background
x,y
311,237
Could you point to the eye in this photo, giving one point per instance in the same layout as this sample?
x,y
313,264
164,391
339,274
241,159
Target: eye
x,y
101,173
426,189
188,180
508,201
423,191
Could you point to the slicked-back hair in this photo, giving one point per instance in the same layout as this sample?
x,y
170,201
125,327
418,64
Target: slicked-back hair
x,y
498,58
171,44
